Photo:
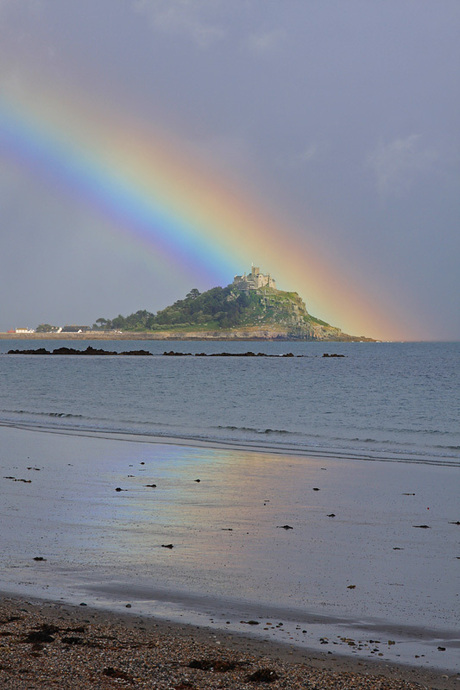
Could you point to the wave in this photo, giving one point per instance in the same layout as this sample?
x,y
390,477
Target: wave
x,y
246,438
42,414
253,430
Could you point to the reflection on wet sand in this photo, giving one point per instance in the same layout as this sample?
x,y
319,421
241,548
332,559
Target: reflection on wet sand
x,y
326,549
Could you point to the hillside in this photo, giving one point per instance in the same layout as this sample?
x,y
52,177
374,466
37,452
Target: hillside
x,y
232,312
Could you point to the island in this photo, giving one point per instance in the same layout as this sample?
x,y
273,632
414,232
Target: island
x,y
249,308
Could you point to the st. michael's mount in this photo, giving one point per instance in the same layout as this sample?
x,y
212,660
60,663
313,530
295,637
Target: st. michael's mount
x,y
250,308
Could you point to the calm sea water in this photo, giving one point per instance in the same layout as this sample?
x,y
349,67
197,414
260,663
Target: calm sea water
x,y
391,401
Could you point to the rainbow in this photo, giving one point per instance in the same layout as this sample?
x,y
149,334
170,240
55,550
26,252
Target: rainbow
x,y
153,191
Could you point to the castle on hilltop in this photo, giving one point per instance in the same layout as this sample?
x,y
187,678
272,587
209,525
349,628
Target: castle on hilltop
x,y
254,280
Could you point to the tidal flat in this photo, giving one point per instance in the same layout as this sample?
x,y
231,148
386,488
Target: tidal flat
x,y
355,560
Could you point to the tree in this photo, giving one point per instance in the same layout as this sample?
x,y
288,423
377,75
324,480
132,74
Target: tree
x,y
119,323
45,328
193,294
102,324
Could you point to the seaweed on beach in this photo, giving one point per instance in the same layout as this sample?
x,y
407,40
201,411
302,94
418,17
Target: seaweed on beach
x,y
218,665
45,633
263,675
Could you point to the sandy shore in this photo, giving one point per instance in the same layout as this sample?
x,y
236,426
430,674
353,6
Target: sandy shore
x,y
264,569
46,645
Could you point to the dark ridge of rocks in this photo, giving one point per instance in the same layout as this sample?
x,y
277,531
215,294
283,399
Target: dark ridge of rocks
x,y
172,353
72,351
145,353
334,355
39,351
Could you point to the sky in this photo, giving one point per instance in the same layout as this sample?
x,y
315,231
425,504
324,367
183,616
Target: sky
x,y
148,147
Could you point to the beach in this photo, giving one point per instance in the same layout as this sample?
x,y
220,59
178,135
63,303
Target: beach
x,y
49,644
356,561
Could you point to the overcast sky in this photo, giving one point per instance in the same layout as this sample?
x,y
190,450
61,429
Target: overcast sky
x,y
343,111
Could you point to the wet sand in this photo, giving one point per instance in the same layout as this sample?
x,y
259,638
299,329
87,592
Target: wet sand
x,y
324,558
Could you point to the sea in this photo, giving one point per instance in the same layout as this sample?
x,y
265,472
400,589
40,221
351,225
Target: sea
x,y
307,500
392,402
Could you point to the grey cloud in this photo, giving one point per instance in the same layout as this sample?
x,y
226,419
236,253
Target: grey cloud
x,y
312,152
184,17
35,7
398,164
320,114
231,152
265,42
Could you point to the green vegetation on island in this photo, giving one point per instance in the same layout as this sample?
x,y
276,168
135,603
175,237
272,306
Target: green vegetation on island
x,y
46,328
250,307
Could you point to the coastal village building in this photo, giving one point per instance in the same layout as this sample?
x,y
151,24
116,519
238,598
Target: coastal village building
x,y
254,280
74,329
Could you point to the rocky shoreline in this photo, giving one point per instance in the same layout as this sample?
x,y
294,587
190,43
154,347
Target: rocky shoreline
x,y
47,644
72,351
237,335
145,353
